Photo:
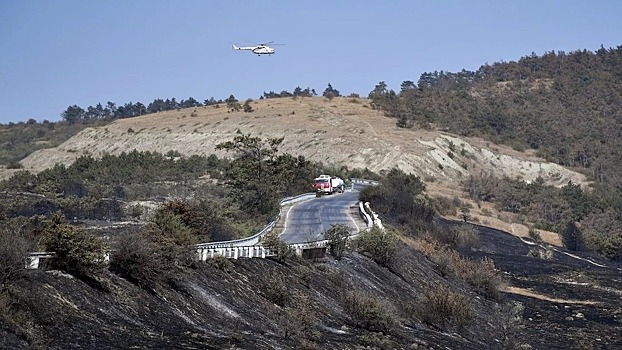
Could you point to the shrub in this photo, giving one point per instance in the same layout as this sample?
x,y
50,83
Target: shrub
x,y
247,106
16,316
535,235
337,237
369,312
467,236
138,257
540,253
377,340
443,205
443,308
14,165
480,274
458,237
220,263
299,320
380,245
465,212
507,322
13,249
276,289
77,252
281,249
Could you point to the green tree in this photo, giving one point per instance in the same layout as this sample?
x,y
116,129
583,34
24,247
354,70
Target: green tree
x,y
251,176
572,237
399,198
407,85
233,103
77,251
330,92
337,237
380,245
73,114
280,248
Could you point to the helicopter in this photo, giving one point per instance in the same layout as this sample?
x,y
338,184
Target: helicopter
x,y
260,49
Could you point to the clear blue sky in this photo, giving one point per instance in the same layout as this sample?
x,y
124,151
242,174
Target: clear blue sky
x,y
54,54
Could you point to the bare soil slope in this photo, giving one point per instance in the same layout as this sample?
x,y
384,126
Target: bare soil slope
x,y
342,131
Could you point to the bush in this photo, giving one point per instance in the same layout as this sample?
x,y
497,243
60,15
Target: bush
x,y
16,316
380,245
535,235
480,274
13,250
444,205
281,249
443,308
247,106
220,263
337,237
138,257
14,165
177,219
462,236
299,321
508,326
276,289
467,236
369,312
77,251
540,253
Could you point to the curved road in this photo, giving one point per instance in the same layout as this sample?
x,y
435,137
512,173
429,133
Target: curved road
x,y
307,221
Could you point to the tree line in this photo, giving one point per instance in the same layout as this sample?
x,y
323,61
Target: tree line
x,y
565,106
76,114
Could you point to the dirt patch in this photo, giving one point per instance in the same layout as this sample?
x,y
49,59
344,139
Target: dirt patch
x,y
532,294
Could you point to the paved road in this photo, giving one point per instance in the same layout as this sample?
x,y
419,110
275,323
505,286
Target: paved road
x,y
307,221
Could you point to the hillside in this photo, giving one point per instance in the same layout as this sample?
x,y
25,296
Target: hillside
x,y
341,131
560,302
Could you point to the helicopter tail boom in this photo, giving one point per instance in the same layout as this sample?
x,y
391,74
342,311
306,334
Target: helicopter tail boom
x,y
241,47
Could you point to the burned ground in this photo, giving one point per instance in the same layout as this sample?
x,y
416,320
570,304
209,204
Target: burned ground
x,y
571,299
567,302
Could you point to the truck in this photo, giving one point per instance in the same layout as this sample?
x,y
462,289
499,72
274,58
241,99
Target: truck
x,y
326,184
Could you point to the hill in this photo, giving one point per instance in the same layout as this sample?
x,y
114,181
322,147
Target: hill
x,y
341,131
419,300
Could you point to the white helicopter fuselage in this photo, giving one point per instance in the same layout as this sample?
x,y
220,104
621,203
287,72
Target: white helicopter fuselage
x,y
258,50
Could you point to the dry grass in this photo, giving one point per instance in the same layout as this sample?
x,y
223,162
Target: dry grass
x,y
481,274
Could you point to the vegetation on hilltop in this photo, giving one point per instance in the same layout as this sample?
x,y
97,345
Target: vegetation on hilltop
x,y
566,106
19,140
